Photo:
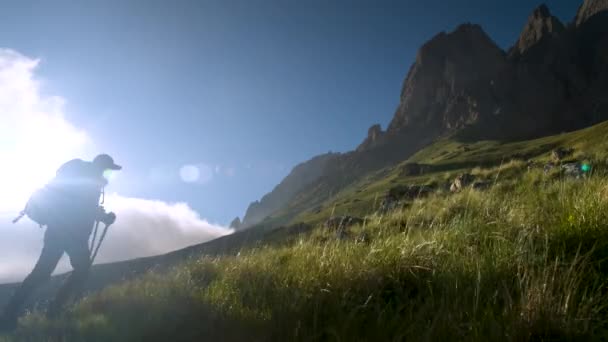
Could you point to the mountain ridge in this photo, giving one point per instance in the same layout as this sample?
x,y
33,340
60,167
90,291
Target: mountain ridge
x,y
551,80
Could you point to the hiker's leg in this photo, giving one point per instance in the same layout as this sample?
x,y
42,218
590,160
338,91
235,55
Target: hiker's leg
x,y
74,285
49,257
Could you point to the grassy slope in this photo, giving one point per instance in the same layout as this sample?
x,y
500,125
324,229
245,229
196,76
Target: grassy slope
x,y
449,157
524,260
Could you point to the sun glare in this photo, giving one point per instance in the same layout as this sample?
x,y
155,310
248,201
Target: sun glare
x,y
32,160
35,139
40,144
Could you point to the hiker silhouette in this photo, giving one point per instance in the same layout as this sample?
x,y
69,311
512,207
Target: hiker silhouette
x,y
73,208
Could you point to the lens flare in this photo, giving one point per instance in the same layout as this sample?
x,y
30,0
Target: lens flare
x,y
190,173
109,174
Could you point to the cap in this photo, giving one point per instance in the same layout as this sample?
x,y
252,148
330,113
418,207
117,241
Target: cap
x,y
106,162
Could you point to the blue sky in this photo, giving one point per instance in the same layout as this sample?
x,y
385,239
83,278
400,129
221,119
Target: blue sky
x,y
243,89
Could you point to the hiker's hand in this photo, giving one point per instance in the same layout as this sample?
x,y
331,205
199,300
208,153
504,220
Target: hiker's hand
x,y
109,219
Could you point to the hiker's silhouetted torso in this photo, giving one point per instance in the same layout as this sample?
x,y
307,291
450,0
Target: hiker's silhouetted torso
x,y
75,190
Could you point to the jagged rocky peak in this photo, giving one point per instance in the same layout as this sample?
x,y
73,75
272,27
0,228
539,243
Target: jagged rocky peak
x,y
463,37
541,24
590,8
374,134
236,223
445,67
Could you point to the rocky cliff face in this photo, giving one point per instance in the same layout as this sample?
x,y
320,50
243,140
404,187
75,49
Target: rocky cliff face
x,y
442,89
590,8
559,78
554,78
545,84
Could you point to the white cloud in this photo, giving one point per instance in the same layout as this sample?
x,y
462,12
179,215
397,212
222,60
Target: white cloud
x,y
35,138
150,227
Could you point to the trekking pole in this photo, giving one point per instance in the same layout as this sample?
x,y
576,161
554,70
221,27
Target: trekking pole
x,y
93,254
94,237
101,238
96,229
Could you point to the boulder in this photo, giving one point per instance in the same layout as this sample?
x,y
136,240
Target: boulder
x,y
573,170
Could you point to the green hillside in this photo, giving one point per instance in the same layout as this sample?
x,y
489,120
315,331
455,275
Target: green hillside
x,y
449,157
522,260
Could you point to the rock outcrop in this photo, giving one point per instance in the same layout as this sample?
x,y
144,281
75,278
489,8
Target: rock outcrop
x,y
541,25
236,224
374,135
590,8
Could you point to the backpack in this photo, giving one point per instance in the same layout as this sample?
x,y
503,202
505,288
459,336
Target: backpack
x,y
54,200
39,207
